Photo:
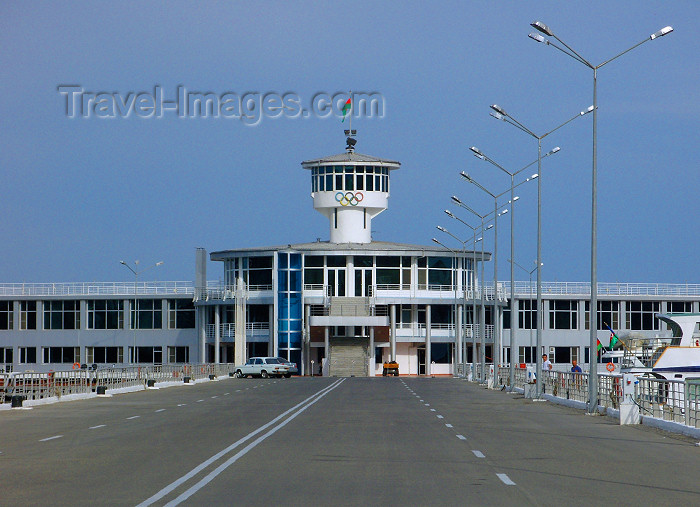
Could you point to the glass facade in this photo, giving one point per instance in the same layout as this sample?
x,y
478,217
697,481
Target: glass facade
x,y
350,178
289,301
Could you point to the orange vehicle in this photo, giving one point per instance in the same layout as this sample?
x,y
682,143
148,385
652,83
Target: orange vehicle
x,y
390,368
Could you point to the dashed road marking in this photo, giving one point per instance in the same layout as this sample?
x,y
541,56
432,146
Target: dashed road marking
x,y
440,417
160,410
461,437
427,404
181,404
200,401
214,397
432,410
505,479
478,454
449,425
133,417
50,438
98,426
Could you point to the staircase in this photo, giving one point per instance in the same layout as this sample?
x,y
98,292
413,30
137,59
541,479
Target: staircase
x,y
349,306
348,357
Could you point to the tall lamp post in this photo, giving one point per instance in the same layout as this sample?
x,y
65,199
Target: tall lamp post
x,y
480,155
135,270
458,338
500,114
567,50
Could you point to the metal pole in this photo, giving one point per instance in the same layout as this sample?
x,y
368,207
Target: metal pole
x,y
482,320
539,263
512,284
593,310
496,353
474,309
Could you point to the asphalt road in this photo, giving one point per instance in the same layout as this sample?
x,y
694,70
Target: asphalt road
x,y
327,441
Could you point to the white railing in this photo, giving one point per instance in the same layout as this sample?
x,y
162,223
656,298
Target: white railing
x,y
96,289
36,386
606,289
228,330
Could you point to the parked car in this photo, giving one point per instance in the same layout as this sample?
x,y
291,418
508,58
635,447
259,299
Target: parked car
x,y
292,366
263,367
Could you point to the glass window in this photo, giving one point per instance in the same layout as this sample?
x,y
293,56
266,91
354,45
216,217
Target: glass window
x,y
527,313
6,315
27,355
349,182
641,315
61,314
335,261
608,313
563,314
369,182
672,307
103,355
181,314
313,261
105,314
60,355
27,314
178,354
329,182
339,182
147,314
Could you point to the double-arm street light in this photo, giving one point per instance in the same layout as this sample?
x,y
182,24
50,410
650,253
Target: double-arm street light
x,y
500,114
135,270
567,50
479,154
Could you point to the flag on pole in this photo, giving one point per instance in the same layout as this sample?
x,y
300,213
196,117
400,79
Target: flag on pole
x,y
346,108
598,345
613,337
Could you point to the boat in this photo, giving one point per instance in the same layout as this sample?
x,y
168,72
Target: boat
x,y
680,358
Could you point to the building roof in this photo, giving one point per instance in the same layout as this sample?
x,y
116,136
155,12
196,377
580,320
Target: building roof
x,y
350,157
373,248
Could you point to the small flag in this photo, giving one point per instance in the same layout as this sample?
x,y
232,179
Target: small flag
x,y
598,345
346,108
613,337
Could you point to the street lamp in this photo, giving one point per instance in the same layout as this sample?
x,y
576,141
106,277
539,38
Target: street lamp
x,y
567,50
480,155
500,114
459,340
136,273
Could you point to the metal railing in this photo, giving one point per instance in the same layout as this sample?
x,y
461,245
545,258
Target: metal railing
x,y
96,289
37,386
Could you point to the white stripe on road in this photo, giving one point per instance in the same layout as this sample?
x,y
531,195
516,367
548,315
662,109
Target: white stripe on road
x,y
461,437
160,410
300,407
432,410
440,417
50,438
133,417
98,426
505,479
448,425
479,454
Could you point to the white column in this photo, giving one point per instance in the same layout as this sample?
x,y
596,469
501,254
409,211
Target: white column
x,y
372,357
392,331
217,334
428,357
458,337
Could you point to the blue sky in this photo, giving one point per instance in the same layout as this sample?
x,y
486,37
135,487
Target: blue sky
x,y
78,194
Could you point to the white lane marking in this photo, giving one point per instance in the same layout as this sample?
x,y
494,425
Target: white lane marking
x,y
98,426
440,417
427,404
160,410
238,390
432,410
478,454
420,400
461,437
133,417
448,425
226,394
182,404
50,438
200,401
231,447
505,479
214,397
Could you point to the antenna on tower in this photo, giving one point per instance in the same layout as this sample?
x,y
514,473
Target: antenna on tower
x,y
349,133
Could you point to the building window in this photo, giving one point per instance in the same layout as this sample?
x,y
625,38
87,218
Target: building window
x,y
441,353
587,355
102,355
289,321
27,355
526,354
105,314
181,314
61,314
150,314
671,307
527,313
146,355
608,313
6,315
6,355
641,315
178,354
60,355
563,354
506,317
563,314
27,315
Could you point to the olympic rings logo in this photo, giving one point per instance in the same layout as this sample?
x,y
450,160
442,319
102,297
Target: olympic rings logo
x,y
348,198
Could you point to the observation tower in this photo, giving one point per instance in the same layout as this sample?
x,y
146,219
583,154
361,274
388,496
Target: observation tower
x,y
350,189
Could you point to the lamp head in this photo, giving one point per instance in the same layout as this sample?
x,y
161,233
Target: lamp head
x,y
449,213
476,151
664,31
554,150
440,228
159,263
498,109
503,212
538,38
456,200
436,241
541,27
122,262
534,176
465,176
516,198
489,227
590,109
